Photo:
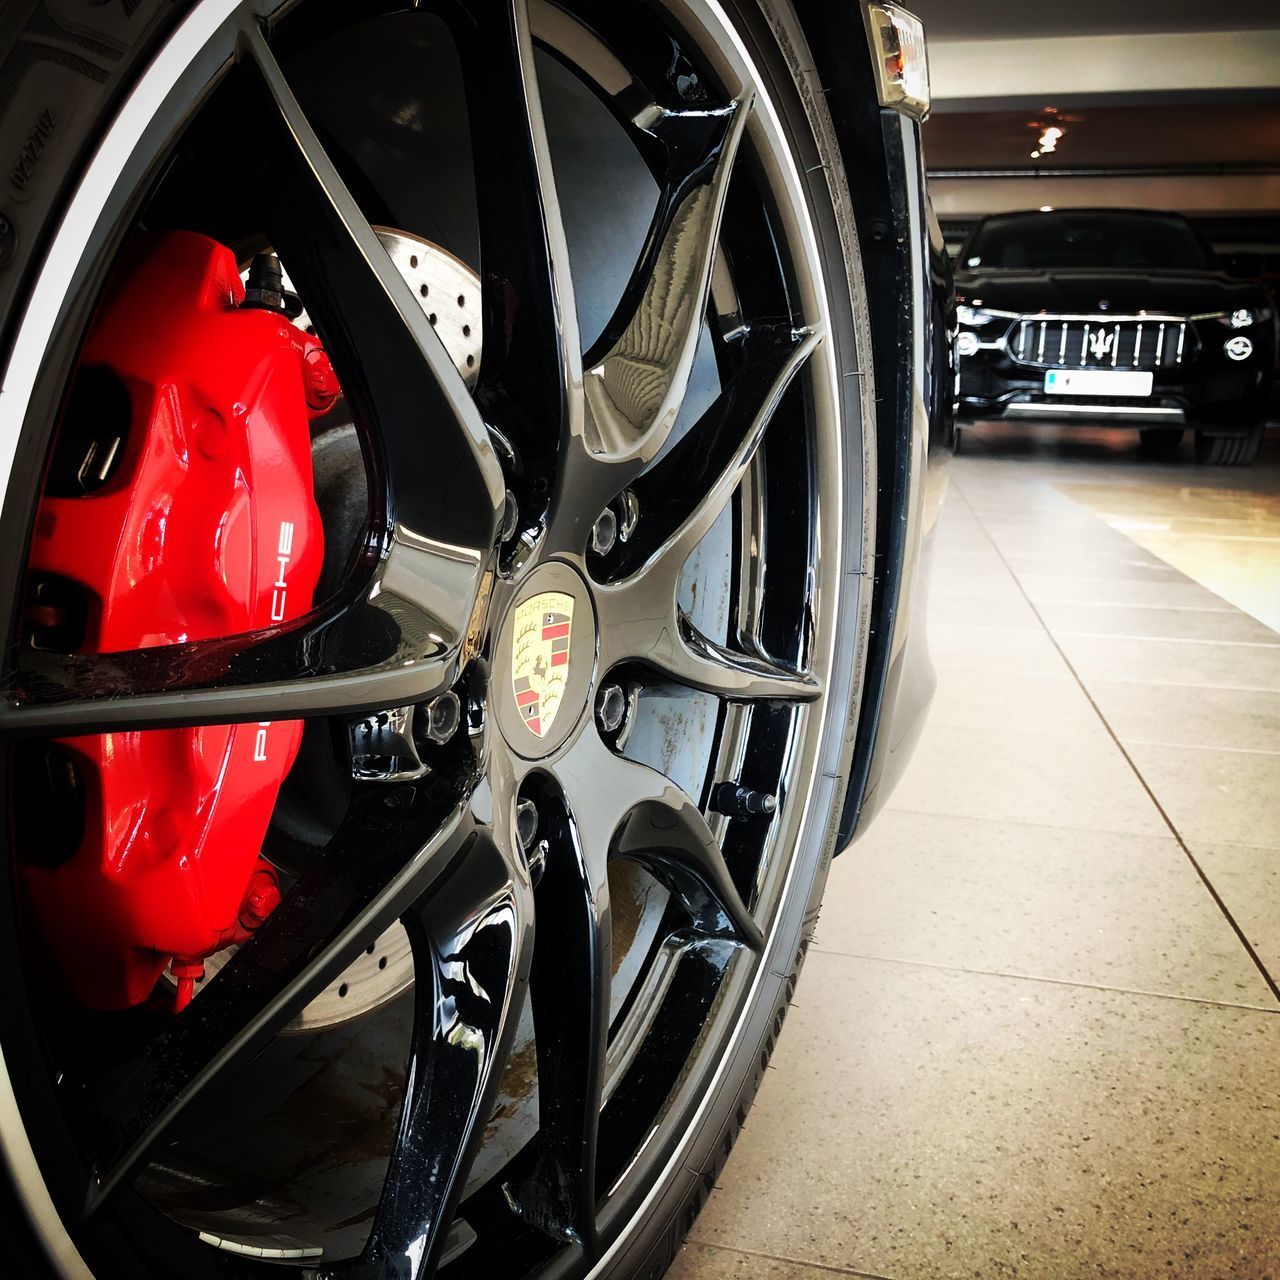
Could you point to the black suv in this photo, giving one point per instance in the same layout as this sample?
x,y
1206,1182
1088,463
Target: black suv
x,y
1115,316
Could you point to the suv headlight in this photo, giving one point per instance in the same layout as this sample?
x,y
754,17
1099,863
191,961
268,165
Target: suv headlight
x,y
1240,318
1243,317
976,317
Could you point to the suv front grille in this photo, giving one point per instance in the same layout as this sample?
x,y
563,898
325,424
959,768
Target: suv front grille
x,y
1099,342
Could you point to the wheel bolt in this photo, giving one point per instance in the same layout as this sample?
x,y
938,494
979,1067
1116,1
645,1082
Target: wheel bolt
x,y
526,823
741,802
611,708
604,533
444,714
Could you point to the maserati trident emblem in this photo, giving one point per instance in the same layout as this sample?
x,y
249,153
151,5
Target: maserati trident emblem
x,y
1101,343
540,658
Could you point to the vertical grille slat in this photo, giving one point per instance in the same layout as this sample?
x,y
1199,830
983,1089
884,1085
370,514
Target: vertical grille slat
x,y
1100,342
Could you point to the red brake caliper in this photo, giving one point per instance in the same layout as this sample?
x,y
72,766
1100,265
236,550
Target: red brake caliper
x,y
198,521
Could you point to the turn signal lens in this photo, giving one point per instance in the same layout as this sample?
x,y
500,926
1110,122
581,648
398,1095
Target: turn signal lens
x,y
902,61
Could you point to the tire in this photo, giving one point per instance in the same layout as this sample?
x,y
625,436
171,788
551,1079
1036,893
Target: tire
x,y
1229,451
1160,443
93,68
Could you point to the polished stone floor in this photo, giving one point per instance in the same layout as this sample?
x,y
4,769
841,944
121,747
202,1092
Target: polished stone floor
x,y
1038,1034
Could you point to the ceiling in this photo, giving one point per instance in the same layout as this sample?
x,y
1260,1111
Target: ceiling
x,y
997,19
1167,103
1173,135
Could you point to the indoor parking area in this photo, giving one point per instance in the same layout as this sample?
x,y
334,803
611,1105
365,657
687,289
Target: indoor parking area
x,y
1039,1029
640,638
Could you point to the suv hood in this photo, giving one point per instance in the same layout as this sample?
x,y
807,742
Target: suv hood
x,y
1124,292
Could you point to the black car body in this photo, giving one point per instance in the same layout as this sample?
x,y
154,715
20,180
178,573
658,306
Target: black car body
x,y
1111,316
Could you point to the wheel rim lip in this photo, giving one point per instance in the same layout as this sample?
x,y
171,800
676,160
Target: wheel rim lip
x,y
62,263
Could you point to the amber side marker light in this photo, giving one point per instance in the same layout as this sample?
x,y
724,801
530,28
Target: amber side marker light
x,y
901,59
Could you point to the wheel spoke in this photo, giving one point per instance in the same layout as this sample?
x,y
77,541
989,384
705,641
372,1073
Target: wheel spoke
x,y
472,945
622,808
636,384
570,1000
435,463
382,860
641,623
682,495
361,659
531,367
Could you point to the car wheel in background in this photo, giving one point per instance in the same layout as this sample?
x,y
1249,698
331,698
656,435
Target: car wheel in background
x,y
1229,451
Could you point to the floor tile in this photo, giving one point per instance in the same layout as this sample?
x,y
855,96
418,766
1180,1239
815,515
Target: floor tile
x,y
1090,590
1184,715
998,586
1023,702
1065,618
1081,782
1010,610
1115,567
1248,881
1223,665
961,647
1074,906
928,1124
1209,795
710,1262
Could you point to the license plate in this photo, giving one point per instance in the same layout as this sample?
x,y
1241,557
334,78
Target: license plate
x,y
1098,382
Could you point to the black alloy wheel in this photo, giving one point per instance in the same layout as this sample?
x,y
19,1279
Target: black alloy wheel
x,y
665,433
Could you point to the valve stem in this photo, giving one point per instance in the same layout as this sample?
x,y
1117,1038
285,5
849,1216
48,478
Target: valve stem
x,y
735,801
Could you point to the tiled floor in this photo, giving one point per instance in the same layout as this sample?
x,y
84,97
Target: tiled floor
x,y
1039,1032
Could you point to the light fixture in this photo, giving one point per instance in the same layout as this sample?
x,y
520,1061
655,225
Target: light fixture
x,y
1050,138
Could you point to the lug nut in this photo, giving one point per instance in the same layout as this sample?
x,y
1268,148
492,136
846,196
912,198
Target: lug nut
x,y
604,533
611,708
526,823
444,714
741,802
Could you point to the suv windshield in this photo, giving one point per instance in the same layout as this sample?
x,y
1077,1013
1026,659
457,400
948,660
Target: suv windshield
x,y
1062,241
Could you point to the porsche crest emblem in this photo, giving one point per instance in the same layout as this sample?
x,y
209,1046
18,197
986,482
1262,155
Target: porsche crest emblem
x,y
540,658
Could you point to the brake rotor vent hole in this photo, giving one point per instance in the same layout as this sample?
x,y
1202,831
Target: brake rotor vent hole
x,y
92,436
48,803
462,302
425,290
413,262
342,991
57,612
382,962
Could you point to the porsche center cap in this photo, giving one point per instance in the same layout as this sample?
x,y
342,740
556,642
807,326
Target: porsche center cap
x,y
546,652
541,648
